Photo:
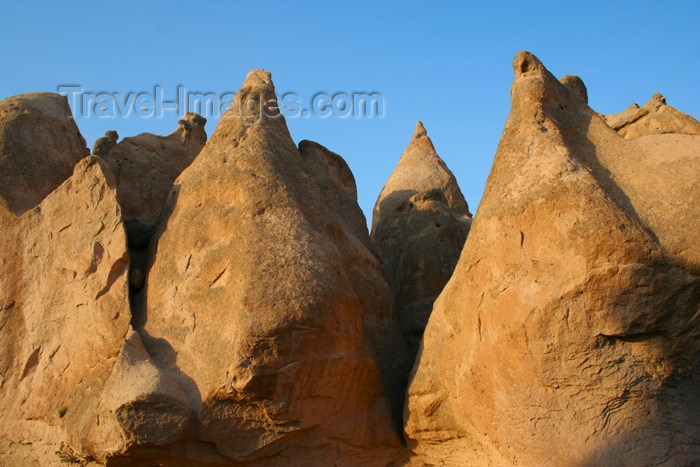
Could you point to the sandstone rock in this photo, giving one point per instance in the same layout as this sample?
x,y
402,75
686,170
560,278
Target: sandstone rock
x,y
39,145
568,333
105,144
420,223
64,314
141,404
146,165
266,303
653,119
420,169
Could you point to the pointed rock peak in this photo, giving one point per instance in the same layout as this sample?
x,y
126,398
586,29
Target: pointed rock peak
x,y
89,163
537,93
657,100
420,140
525,62
419,169
254,106
258,80
420,130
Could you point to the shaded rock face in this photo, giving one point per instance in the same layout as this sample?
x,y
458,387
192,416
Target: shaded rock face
x,y
105,144
146,165
653,119
39,145
266,303
64,313
571,317
420,223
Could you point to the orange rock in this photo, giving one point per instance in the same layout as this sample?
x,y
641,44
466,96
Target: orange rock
x,y
568,332
654,118
64,314
39,145
146,165
266,303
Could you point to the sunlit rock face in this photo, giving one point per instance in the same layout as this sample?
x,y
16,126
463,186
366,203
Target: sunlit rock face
x,y
568,332
655,118
39,146
266,303
146,165
244,315
64,315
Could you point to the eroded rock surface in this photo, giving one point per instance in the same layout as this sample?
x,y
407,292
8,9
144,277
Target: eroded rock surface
x,y
655,118
64,314
265,332
39,145
420,223
266,303
146,165
568,333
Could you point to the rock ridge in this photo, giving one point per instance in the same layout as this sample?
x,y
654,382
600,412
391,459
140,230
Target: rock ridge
x,y
656,117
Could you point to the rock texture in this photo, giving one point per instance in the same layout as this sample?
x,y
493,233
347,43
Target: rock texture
x,y
105,144
64,313
146,165
568,333
252,323
654,118
39,145
266,303
419,224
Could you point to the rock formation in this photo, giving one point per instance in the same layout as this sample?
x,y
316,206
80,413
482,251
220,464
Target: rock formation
x,y
265,302
654,118
568,333
419,225
39,145
252,324
64,313
105,144
146,165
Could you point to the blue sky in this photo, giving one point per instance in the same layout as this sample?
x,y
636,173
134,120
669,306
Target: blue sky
x,y
445,63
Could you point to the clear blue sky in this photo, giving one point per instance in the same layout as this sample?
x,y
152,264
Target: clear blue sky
x,y
445,63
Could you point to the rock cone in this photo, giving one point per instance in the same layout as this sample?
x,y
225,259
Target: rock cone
x,y
571,317
39,145
420,223
266,303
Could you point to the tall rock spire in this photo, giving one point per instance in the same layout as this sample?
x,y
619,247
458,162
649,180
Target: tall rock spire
x,y
571,317
420,223
265,302
419,169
